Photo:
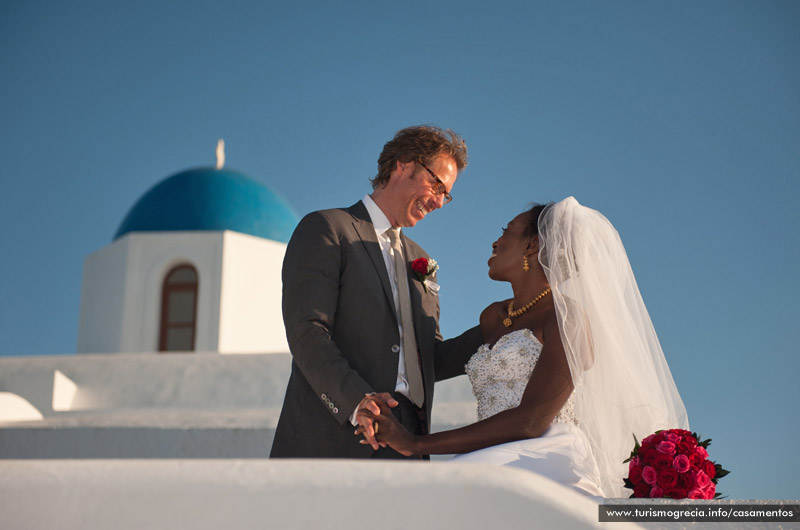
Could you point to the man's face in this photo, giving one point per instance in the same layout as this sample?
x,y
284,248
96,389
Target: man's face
x,y
412,190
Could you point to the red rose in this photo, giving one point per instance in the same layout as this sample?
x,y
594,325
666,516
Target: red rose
x,y
710,469
677,493
685,448
420,266
710,491
681,464
667,478
684,482
683,433
635,474
656,493
666,447
697,494
700,479
648,455
662,461
649,475
641,491
700,450
653,438
697,460
673,437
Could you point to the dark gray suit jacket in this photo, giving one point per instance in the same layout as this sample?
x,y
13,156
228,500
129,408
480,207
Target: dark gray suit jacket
x,y
342,331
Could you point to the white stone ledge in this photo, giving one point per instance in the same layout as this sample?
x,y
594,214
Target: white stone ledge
x,y
251,494
155,418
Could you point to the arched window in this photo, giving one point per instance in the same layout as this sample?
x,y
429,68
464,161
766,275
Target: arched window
x,y
178,310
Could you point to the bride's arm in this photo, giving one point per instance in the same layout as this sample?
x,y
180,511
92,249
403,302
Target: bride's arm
x,y
548,388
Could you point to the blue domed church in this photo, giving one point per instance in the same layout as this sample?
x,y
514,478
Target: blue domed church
x,y
194,266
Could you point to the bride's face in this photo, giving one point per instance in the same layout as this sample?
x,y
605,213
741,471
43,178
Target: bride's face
x,y
508,250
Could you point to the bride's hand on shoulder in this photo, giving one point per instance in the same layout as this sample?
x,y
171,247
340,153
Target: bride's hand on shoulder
x,y
388,431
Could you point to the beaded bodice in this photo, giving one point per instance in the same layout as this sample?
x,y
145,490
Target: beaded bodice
x,y
499,374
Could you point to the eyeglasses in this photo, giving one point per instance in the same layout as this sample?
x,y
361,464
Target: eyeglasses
x,y
438,187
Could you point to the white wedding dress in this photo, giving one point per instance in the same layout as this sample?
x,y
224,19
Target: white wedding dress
x,y
499,375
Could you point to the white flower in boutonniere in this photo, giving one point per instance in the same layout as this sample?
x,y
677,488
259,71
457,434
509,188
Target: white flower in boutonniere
x,y
424,268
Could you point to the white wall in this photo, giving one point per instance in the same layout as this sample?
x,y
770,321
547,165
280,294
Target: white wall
x,y
121,295
116,383
252,494
104,285
152,256
250,316
239,295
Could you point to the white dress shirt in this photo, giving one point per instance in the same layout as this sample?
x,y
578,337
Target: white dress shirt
x,y
382,224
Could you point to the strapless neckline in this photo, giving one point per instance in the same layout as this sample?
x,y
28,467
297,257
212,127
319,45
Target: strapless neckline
x,y
508,336
499,374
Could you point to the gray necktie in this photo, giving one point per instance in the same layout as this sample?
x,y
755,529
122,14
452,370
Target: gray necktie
x,y
416,388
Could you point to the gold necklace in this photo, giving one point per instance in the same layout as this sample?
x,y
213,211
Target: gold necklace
x,y
515,313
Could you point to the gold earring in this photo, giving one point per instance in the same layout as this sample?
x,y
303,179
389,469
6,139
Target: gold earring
x,y
525,266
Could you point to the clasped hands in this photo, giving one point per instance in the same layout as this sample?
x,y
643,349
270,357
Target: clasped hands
x,y
379,426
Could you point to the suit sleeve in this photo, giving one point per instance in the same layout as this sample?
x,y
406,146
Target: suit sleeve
x,y
311,280
451,356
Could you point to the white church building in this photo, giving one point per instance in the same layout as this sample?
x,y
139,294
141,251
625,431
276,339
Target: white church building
x,y
165,416
172,311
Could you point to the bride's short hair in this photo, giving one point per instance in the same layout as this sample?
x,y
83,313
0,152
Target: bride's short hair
x,y
534,212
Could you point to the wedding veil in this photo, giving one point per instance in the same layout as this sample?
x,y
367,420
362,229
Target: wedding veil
x,y
622,384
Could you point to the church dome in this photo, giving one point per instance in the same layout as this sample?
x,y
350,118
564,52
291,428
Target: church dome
x,y
211,199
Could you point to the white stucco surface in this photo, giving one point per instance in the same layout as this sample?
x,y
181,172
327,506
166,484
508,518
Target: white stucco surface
x,y
122,282
252,494
201,405
14,408
238,301
117,383
251,320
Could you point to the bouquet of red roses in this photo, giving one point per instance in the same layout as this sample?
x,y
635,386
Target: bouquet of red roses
x,y
673,464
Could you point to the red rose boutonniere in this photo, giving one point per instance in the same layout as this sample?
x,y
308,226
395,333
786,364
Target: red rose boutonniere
x,y
673,464
424,268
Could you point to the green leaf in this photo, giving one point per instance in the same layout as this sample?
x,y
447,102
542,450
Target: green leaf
x,y
635,451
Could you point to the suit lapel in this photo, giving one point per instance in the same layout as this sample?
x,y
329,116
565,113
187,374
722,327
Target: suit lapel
x,y
366,232
415,288
418,297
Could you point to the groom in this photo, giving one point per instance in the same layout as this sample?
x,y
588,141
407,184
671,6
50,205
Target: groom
x,y
361,324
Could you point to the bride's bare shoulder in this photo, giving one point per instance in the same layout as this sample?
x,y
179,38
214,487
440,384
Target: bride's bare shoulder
x,y
492,317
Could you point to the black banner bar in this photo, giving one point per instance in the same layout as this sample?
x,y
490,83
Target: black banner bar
x,y
709,513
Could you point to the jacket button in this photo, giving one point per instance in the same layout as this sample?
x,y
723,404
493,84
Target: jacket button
x,y
395,348
335,410
324,397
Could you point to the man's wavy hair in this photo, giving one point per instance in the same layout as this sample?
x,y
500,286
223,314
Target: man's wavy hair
x,y
421,143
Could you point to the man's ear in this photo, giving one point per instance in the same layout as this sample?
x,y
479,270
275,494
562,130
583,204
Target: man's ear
x,y
404,167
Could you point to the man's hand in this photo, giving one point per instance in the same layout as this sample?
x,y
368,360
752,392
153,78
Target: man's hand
x,y
371,404
388,431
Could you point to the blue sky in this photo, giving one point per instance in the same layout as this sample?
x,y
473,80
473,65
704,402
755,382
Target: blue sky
x,y
679,121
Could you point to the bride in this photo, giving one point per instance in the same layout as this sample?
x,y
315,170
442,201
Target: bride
x,y
572,368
